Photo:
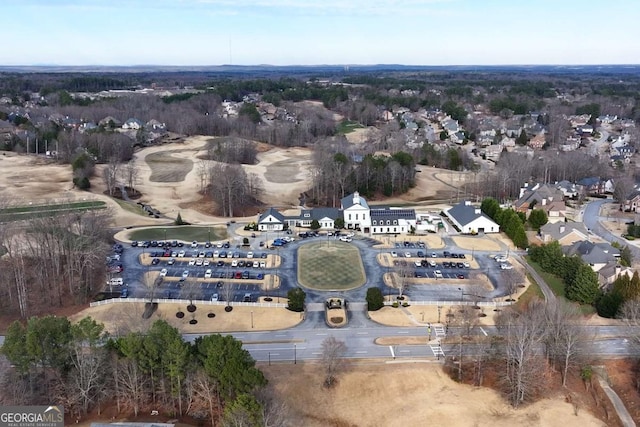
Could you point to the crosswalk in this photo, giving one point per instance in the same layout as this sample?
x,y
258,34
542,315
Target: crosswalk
x,y
436,349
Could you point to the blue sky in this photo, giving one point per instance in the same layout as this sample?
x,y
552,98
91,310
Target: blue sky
x,y
289,32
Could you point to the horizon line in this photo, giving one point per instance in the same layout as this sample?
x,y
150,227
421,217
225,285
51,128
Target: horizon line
x,y
331,65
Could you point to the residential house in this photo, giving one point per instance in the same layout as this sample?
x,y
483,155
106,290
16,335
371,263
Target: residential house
x,y
632,203
572,143
470,220
585,130
595,185
271,220
542,196
580,120
450,125
458,137
110,122
6,130
565,233
610,272
567,188
596,255
538,141
88,127
155,126
607,119
133,124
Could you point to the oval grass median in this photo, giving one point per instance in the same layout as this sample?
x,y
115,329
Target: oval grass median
x,y
330,266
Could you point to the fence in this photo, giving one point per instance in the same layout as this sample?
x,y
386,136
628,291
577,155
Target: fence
x,y
186,301
451,303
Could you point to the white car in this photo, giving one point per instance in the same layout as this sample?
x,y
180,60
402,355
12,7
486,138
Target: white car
x,y
163,272
208,273
417,263
432,264
438,274
249,254
407,254
206,262
216,254
506,266
234,263
345,239
263,264
394,254
199,262
192,261
500,258
219,245
214,297
256,264
201,254
194,244
181,254
466,265
185,274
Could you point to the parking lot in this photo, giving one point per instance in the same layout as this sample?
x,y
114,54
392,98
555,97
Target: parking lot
x,y
200,270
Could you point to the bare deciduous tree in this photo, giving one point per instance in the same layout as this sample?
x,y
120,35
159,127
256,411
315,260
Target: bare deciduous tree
x,y
333,351
563,336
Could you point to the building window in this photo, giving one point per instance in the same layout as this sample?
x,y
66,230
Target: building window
x,y
387,229
395,222
374,222
388,222
349,217
394,230
356,217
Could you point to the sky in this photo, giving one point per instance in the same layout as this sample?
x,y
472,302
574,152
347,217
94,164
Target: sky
x,y
305,32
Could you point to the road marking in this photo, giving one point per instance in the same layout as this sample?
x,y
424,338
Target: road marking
x,y
392,353
362,333
274,354
281,335
316,353
403,332
322,334
361,352
404,351
483,331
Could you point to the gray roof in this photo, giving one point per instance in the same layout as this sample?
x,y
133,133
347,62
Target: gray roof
x,y
273,212
392,214
465,213
320,213
592,253
559,230
347,201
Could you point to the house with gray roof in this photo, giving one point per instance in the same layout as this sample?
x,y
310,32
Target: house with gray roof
x,y
326,217
565,233
610,272
469,219
597,255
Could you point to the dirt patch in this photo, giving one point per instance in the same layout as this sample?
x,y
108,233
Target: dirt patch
x,y
167,168
405,395
422,315
622,375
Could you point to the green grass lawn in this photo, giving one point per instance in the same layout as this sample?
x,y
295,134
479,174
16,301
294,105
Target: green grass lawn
x,y
131,207
557,287
330,266
533,292
19,213
555,283
347,126
185,233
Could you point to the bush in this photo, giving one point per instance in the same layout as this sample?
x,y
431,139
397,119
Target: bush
x,y
82,183
395,304
296,299
405,304
375,299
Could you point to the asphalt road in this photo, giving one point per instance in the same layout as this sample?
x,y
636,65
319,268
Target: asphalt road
x,y
592,218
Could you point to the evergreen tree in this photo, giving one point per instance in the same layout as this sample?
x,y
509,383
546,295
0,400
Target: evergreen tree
x,y
296,299
490,207
522,139
375,299
538,218
584,288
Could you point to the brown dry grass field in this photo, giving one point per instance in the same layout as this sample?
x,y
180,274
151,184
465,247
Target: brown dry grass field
x,y
406,395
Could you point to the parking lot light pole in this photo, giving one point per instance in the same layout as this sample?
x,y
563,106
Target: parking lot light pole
x,y
251,319
209,234
165,235
295,361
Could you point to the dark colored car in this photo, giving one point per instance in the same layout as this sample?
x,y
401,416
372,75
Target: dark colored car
x,y
155,261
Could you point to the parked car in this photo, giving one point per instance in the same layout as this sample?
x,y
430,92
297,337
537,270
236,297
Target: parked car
x,y
171,261
163,272
181,254
260,276
407,254
208,273
185,274
256,264
115,281
263,264
124,293
192,261
245,274
249,254
194,244
206,262
460,276
394,254
420,254
214,297
247,298
199,262
438,274
506,266
234,263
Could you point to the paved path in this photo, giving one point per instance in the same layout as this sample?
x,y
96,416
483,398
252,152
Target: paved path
x,y
621,410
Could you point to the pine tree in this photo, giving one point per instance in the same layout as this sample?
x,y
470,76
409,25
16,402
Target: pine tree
x,y
584,288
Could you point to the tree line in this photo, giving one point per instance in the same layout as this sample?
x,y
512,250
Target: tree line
x,y
52,260
83,368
